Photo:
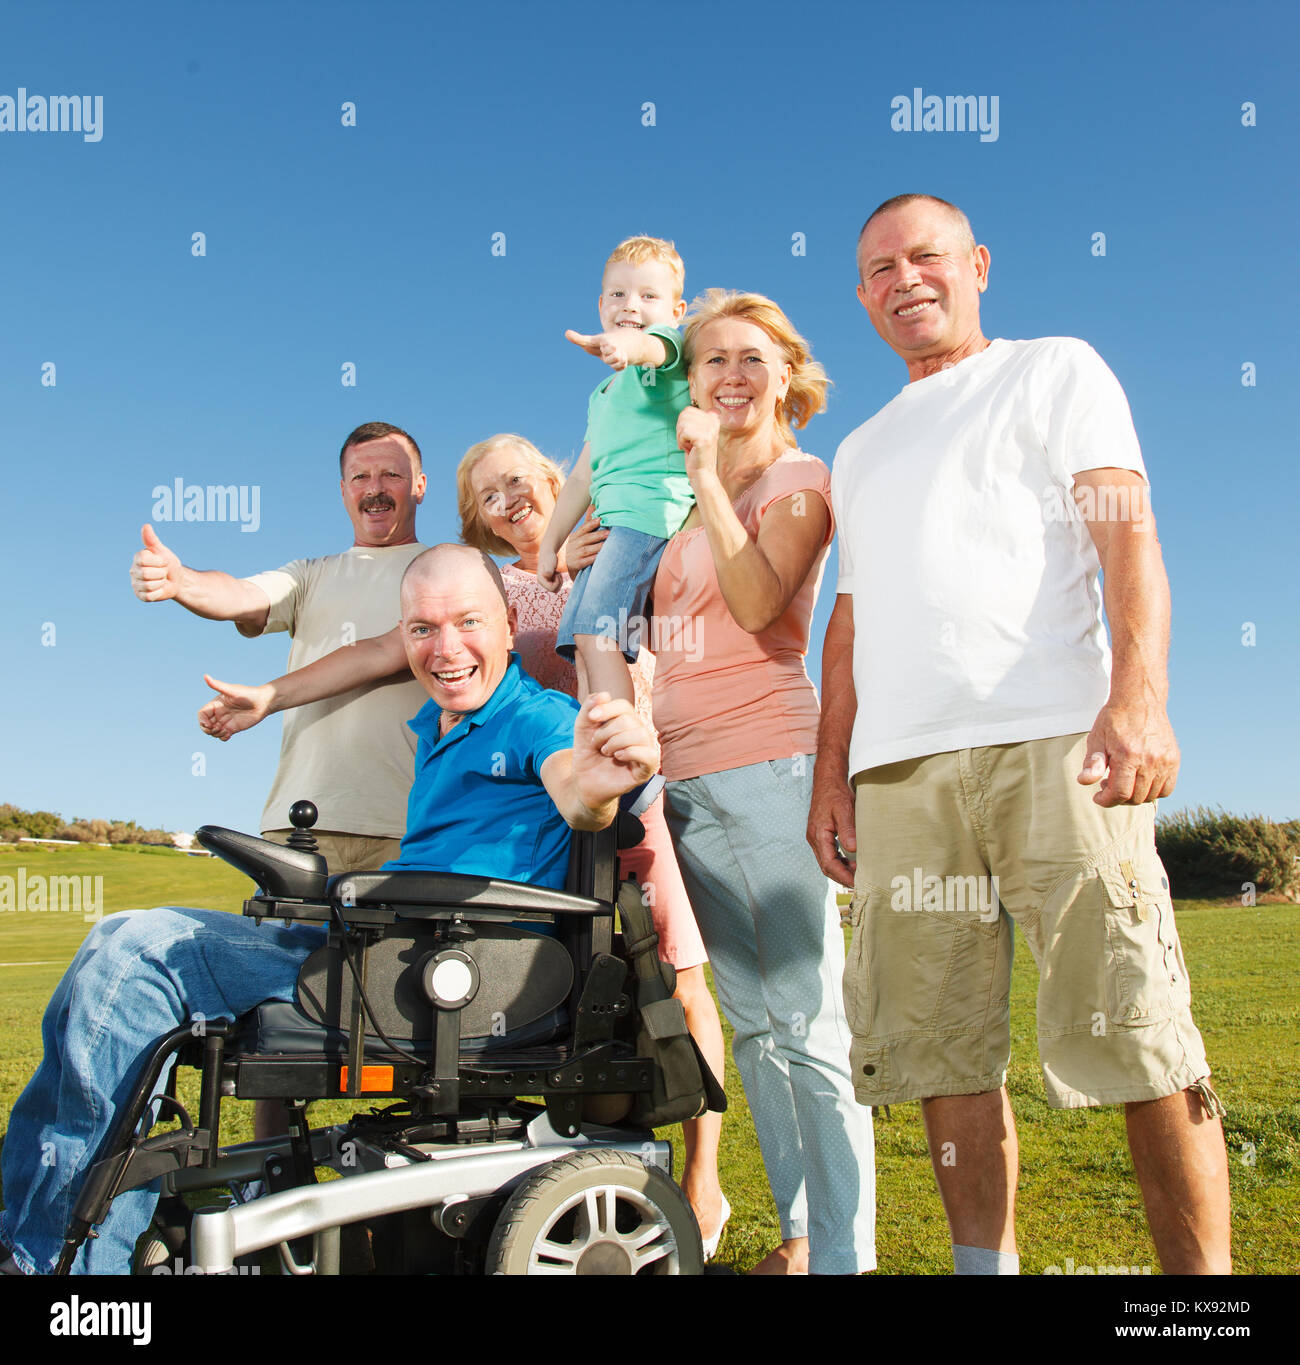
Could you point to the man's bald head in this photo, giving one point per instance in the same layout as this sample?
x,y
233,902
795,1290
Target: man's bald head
x,y
457,628
442,563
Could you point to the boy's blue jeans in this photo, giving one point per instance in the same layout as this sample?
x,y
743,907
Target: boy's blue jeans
x,y
136,977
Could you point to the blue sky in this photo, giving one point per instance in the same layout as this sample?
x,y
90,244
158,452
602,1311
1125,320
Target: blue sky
x,y
372,245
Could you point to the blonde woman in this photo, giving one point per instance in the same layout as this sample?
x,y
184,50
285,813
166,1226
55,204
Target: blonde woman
x,y
737,719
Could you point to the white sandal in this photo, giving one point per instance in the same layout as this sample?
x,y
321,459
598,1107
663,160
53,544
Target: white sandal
x,y
711,1243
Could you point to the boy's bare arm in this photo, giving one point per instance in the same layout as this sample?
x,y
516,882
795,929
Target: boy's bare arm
x,y
570,507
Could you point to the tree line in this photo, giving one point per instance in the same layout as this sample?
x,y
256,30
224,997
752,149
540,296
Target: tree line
x,y
16,824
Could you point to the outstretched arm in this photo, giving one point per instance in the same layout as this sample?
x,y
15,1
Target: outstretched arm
x,y
1132,742
237,707
158,575
612,753
622,348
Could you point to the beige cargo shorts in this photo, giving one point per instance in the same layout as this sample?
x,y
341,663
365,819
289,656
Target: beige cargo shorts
x,y
951,849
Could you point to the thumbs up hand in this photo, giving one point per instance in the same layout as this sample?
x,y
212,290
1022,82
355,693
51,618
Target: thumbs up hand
x,y
155,570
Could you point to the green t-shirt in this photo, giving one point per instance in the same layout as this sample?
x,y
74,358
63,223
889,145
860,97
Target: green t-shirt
x,y
638,474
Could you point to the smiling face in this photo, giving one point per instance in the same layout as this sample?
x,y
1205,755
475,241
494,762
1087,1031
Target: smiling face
x,y
921,282
381,490
456,630
513,496
740,373
639,296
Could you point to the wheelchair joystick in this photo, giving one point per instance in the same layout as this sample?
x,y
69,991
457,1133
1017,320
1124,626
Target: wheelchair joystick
x,y
302,816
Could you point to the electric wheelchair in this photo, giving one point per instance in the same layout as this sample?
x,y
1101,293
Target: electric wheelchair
x,y
526,1071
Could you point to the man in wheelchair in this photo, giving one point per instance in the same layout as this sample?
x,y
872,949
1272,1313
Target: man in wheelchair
x,y
505,770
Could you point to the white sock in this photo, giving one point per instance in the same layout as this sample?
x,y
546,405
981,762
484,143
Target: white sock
x,y
984,1261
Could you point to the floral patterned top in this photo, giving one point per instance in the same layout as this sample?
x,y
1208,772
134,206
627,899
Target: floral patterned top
x,y
538,613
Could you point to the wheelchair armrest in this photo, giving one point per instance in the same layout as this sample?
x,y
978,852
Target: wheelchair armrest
x,y
277,870
415,891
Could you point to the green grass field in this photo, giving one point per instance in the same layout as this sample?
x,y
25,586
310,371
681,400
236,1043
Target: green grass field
x,y
1078,1198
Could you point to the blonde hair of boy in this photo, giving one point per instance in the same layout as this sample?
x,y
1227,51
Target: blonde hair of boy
x,y
472,530
639,250
806,396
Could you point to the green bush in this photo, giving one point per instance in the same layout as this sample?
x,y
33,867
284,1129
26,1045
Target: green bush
x,y
18,824
35,824
1212,853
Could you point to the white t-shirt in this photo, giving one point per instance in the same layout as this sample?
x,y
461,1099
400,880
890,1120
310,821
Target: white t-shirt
x,y
351,754
976,602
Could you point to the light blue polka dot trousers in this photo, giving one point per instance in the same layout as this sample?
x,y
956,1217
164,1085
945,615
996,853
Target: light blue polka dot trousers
x,y
772,928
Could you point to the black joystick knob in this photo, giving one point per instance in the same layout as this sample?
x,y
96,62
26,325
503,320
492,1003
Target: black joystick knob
x,y
302,816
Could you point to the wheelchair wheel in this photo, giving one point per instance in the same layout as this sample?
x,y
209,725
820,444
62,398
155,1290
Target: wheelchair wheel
x,y
596,1212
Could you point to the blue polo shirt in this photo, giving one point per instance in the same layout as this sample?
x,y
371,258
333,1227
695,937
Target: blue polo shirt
x,y
477,804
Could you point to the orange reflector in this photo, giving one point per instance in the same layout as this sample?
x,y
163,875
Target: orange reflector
x,y
372,1078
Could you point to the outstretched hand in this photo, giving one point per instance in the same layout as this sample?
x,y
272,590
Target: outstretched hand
x,y
611,347
234,708
613,751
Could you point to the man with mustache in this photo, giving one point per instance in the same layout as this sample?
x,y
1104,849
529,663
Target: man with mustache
x,y
352,755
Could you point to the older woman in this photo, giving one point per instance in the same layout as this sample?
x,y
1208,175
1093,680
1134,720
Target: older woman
x,y
737,718
506,490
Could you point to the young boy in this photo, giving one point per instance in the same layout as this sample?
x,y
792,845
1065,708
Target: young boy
x,y
631,467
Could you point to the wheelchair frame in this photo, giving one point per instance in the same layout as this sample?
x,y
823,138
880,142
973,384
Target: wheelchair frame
x,y
452,1176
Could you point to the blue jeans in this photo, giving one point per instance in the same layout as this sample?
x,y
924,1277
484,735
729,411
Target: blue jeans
x,y
770,923
137,976
609,597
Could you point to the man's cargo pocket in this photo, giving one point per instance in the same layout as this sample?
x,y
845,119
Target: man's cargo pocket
x,y
856,980
872,1070
1143,959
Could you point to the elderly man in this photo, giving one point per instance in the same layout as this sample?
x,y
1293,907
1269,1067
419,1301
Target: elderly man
x,y
1005,762
503,768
